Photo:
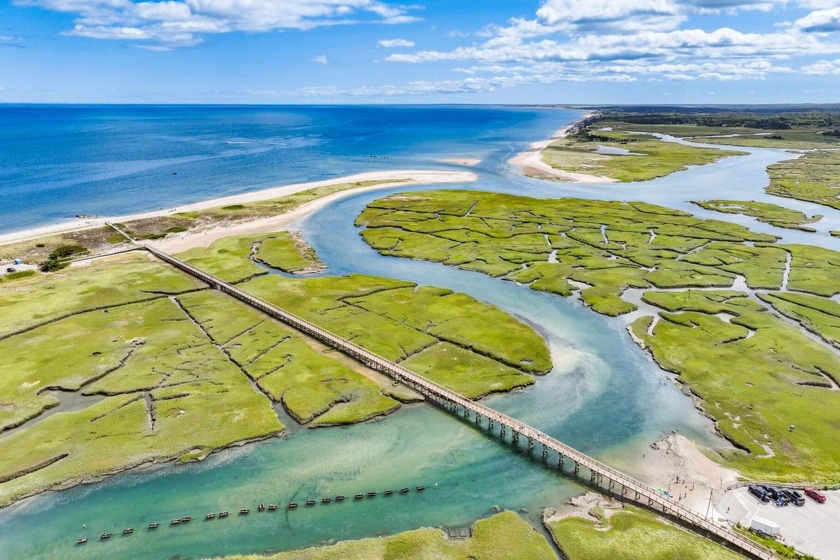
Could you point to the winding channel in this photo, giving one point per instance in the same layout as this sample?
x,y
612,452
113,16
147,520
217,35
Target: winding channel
x,y
604,397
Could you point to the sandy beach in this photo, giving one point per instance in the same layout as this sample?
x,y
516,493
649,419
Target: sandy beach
x,y
676,465
530,161
392,178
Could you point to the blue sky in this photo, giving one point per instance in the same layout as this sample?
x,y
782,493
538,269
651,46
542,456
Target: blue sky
x,y
437,51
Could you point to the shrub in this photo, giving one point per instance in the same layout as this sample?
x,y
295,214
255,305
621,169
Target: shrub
x,y
65,251
52,265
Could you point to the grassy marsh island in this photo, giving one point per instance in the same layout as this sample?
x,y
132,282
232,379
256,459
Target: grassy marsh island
x,y
623,156
766,212
762,374
756,375
630,533
232,258
505,536
130,378
813,177
146,364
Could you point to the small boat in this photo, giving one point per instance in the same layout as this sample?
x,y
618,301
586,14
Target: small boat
x,y
83,540
359,496
223,514
339,498
292,505
175,522
326,500
272,507
310,502
105,536
210,516
404,490
261,507
371,494
128,531
244,511
186,519
388,492
154,525
421,488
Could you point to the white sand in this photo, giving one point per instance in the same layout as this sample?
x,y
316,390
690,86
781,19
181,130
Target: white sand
x,y
414,177
530,162
676,465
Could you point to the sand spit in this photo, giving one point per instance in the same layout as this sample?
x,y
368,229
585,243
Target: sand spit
x,y
398,177
530,161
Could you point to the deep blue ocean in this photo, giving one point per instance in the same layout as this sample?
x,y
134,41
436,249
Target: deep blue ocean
x,y
58,161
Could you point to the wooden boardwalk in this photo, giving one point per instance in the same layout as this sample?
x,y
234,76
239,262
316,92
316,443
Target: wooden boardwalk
x,y
617,482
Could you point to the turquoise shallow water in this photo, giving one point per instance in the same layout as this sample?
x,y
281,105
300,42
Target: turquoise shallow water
x,y
604,396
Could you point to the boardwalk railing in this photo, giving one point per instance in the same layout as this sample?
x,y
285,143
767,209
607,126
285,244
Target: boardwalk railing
x,y
643,493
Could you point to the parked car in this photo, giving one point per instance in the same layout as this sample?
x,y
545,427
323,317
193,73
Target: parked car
x,y
772,493
10,270
794,497
818,497
759,493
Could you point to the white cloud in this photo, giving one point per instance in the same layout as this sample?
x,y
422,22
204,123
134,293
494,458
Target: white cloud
x,y
321,59
605,40
184,22
823,67
817,4
392,43
820,21
599,14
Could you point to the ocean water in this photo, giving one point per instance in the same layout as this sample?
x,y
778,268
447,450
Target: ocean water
x,y
604,396
60,161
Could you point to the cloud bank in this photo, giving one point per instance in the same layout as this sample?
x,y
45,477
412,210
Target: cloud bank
x,y
179,23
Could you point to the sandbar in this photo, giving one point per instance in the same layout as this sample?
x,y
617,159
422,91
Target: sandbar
x,y
530,161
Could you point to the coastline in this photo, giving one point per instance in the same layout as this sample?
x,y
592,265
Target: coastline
x,y
394,178
530,162
191,239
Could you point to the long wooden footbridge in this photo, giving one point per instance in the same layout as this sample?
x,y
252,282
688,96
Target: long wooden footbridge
x,y
617,483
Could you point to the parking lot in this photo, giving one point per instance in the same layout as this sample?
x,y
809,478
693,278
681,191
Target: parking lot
x,y
811,528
